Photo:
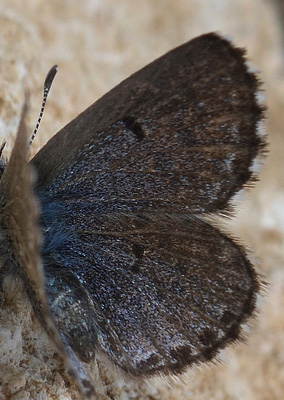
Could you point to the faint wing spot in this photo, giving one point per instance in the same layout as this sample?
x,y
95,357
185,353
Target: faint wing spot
x,y
138,250
134,127
207,338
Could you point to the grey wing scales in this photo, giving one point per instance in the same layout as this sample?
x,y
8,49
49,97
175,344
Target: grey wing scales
x,y
121,187
162,290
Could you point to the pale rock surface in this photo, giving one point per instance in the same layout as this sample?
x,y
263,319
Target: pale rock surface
x,y
96,44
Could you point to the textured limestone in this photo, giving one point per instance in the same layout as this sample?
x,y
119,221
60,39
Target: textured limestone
x,y
96,44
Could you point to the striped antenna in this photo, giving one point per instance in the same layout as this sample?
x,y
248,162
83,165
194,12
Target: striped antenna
x,y
46,87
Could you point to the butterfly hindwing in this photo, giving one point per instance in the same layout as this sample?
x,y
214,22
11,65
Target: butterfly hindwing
x,y
162,290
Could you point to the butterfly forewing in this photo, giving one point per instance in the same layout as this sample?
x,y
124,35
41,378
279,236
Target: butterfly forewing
x,y
177,136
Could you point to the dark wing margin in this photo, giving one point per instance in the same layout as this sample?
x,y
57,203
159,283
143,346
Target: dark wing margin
x,y
179,135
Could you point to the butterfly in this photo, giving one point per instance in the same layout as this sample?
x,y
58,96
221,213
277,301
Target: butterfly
x,y
107,225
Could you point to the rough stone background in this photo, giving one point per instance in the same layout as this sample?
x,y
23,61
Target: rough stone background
x,y
96,44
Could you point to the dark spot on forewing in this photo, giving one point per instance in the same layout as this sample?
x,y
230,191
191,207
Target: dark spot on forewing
x,y
134,127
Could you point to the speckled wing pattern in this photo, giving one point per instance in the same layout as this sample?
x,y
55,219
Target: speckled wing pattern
x,y
132,269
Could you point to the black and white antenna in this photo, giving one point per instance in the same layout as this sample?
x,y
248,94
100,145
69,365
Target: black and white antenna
x,y
46,87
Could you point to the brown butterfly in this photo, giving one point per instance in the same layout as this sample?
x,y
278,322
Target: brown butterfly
x,y
106,225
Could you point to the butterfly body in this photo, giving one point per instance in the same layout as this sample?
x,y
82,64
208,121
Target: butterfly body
x,y
126,264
